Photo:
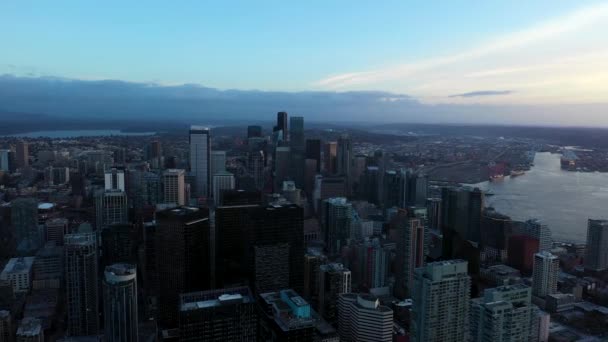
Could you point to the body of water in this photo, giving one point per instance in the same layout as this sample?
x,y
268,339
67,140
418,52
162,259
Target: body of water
x,y
563,200
77,133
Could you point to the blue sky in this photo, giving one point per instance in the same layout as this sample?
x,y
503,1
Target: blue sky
x,y
510,51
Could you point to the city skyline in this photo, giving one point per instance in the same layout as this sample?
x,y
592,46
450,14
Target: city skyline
x,y
537,63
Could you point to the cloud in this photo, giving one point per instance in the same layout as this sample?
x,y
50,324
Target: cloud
x,y
547,60
483,93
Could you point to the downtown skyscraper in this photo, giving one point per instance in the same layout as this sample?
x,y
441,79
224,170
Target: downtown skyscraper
x,y
200,159
596,258
440,295
81,284
120,303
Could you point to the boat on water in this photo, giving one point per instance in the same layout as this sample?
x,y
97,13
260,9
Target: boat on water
x,y
496,177
517,173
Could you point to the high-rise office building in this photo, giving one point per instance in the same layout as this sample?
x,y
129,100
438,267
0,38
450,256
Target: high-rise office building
x,y
390,182
544,274
282,125
49,267
372,266
312,260
114,179
361,317
111,208
24,219
22,154
81,284
440,295
218,162
119,244
313,151
277,229
336,221
222,181
334,280
410,234
537,230
281,166
596,258
330,150
296,130
344,157
174,187
254,131
30,330
120,303
224,315
56,228
503,314
200,155
4,161
183,257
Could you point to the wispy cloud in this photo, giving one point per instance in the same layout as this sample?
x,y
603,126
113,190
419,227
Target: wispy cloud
x,y
537,51
483,93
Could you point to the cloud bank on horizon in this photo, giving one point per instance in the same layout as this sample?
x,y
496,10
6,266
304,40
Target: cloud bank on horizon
x,y
560,60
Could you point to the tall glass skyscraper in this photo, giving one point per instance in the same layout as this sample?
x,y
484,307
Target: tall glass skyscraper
x,y
200,151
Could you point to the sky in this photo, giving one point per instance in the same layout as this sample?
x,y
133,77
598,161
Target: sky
x,y
438,52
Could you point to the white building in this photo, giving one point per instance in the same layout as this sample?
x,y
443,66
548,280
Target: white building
x,y
19,272
503,314
544,274
440,296
200,150
114,179
362,318
222,181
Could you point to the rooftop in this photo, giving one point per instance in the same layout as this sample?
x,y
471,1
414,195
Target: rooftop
x,y
16,265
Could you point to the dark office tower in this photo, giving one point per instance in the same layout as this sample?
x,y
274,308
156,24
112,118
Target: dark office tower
x,y
153,150
313,151
310,173
296,139
56,228
200,159
433,213
359,165
334,280
344,157
336,220
495,231
461,218
183,257
119,244
81,284
120,303
421,193
278,227
410,236
370,185
254,131
22,154
281,166
312,261
24,219
330,151
255,167
389,186
232,238
77,184
150,267
521,252
596,258
282,125
225,315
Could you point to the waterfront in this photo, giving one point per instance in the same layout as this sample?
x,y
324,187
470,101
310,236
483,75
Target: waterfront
x,y
78,133
563,200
